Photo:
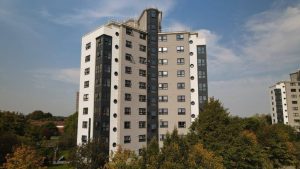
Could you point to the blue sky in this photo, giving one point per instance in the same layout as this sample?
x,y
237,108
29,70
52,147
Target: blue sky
x,y
251,45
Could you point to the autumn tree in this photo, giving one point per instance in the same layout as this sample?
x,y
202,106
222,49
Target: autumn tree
x,y
24,157
123,159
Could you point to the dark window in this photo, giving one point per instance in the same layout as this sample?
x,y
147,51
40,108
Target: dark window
x,y
142,35
128,57
128,44
180,61
84,124
142,72
179,37
83,139
142,98
142,85
202,99
142,124
142,48
163,111
163,124
163,98
128,70
127,83
86,84
202,87
127,97
127,110
142,111
87,58
88,46
181,111
201,74
153,14
162,38
127,139
294,102
181,98
162,137
85,110
142,138
201,50
143,60
181,124
180,85
180,73
180,49
86,71
127,125
129,31
163,61
293,90
85,97
201,62
163,86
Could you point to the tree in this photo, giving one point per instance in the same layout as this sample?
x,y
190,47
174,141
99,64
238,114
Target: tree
x,y
24,157
49,129
68,139
150,155
7,142
123,159
39,115
91,155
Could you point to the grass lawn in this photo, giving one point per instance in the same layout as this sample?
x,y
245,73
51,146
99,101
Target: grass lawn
x,y
65,166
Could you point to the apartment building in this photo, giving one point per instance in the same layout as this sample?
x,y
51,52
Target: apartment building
x,y
137,83
285,101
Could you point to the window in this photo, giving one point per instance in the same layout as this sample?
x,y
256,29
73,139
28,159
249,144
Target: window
x,y
127,125
142,85
84,124
85,97
202,99
85,110
180,85
127,110
201,74
162,38
293,84
87,58
142,138
128,44
142,72
128,57
163,98
86,84
142,111
294,96
201,62
293,90
88,46
181,111
294,102
142,98
128,70
83,139
129,31
163,86
180,49
127,83
162,137
162,74
127,139
163,61
163,111
163,124
142,35
143,60
86,71
202,87
179,37
296,114
181,124
181,98
142,124
180,73
162,50
127,97
180,61
201,50
143,48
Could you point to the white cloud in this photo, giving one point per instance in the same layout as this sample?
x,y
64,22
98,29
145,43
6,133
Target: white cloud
x,y
119,9
68,75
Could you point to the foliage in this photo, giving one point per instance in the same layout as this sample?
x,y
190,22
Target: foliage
x,y
39,115
68,139
49,129
91,155
124,159
24,157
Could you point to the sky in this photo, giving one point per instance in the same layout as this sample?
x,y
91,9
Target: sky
x,y
251,45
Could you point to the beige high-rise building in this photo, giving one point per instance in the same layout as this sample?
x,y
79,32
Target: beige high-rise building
x,y
137,83
285,101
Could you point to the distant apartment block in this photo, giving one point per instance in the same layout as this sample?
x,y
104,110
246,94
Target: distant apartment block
x,y
285,101
138,83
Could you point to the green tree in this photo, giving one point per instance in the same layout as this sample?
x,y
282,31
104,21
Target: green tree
x,y
150,155
123,159
68,139
49,129
39,115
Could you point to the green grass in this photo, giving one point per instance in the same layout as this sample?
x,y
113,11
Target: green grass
x,y
65,166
